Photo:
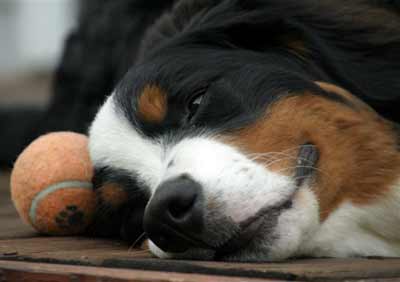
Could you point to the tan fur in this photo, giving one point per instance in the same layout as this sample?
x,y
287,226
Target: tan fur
x,y
152,104
359,160
344,93
296,45
113,194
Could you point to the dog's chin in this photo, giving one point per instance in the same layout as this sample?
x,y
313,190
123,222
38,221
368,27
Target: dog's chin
x,y
191,254
267,237
250,245
254,237
250,236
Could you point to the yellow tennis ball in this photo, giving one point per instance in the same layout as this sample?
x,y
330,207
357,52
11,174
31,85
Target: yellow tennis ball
x,y
51,184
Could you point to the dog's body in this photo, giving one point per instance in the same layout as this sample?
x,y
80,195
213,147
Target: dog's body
x,y
256,130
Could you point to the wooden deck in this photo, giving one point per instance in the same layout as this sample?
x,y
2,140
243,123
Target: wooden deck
x,y
25,256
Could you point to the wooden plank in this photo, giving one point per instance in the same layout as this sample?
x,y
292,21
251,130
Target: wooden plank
x,y
115,254
307,269
67,249
42,272
19,243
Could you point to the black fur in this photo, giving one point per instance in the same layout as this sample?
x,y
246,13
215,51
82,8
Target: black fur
x,y
124,220
227,48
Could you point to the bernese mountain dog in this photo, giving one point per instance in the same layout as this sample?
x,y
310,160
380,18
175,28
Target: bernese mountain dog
x,y
255,130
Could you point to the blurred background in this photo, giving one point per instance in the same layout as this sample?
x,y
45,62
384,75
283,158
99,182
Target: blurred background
x,y
32,33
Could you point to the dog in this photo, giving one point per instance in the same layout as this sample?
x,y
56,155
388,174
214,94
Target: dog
x,y
257,130
253,131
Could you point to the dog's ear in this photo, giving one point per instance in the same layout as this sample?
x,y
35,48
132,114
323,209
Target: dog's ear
x,y
355,46
173,22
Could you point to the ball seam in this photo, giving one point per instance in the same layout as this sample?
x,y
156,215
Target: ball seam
x,y
52,188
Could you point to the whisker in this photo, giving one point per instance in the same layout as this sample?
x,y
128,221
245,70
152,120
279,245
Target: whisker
x,y
281,152
288,157
310,167
268,164
268,154
137,241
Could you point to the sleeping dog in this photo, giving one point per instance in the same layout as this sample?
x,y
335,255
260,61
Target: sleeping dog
x,y
256,130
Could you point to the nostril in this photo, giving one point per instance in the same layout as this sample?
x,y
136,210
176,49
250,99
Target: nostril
x,y
181,208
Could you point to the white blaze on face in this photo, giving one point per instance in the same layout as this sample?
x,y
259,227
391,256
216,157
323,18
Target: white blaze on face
x,y
241,186
114,142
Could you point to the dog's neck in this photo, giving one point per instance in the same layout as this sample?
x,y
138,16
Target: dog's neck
x,y
359,230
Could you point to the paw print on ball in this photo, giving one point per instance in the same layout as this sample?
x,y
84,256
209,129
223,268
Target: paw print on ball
x,y
70,217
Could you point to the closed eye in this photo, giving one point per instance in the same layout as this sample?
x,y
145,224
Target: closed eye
x,y
194,105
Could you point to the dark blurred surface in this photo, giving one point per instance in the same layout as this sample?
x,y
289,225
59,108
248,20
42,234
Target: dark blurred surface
x,y
33,34
11,225
19,92
23,98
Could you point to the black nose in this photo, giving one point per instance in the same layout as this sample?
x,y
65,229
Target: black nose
x,y
174,214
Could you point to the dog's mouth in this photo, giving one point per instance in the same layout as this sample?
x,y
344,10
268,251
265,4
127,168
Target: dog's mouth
x,y
249,229
307,158
261,222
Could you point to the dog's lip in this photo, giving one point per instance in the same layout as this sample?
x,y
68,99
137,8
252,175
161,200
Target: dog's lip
x,y
249,229
190,239
308,154
307,158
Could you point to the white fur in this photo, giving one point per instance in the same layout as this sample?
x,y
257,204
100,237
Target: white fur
x,y
116,143
361,230
158,252
242,186
189,254
296,225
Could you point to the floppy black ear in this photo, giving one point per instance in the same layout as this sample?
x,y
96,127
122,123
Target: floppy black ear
x,y
173,22
358,48
355,45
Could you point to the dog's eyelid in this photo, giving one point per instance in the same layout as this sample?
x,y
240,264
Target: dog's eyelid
x,y
198,100
195,102
194,105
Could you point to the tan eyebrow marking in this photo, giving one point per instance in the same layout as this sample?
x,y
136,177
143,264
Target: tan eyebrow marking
x,y
112,194
152,104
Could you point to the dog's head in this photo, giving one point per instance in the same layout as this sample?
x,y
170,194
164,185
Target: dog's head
x,y
233,137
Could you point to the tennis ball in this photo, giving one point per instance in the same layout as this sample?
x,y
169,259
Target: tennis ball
x,y
51,184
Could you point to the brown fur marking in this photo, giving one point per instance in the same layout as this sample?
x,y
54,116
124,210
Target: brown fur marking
x,y
344,93
152,104
113,195
358,156
296,46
